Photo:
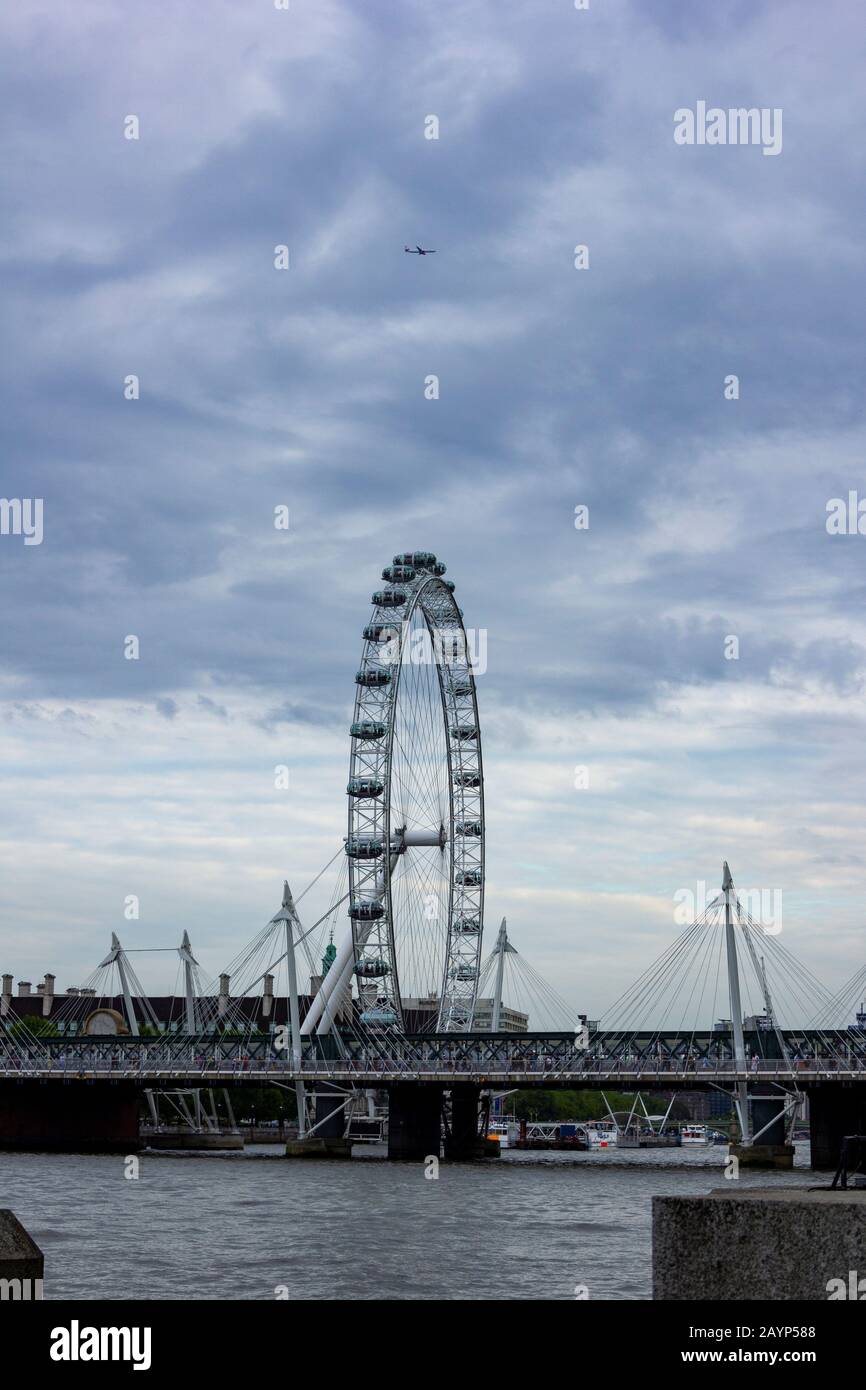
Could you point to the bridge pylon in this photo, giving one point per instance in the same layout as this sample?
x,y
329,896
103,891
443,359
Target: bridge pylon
x,y
762,1117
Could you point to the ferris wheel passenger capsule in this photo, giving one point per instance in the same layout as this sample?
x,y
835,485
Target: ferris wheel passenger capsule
x,y
465,733
363,847
468,827
365,786
423,560
380,632
372,969
470,878
389,598
398,574
366,910
463,972
438,569
373,677
383,1018
368,729
467,779
466,926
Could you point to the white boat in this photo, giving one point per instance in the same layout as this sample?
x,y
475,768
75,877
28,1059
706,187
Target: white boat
x,y
505,1128
695,1134
498,1129
601,1134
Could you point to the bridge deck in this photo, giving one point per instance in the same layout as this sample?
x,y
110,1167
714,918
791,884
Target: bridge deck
x,y
595,1076
611,1060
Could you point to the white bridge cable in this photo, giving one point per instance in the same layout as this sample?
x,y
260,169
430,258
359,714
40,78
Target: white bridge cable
x,y
798,989
230,1018
846,1003
103,990
673,994
786,990
648,985
264,955
21,1047
647,1005
672,1000
527,991
678,996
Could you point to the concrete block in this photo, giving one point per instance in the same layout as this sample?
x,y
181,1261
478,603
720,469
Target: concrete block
x,y
759,1243
314,1147
763,1155
194,1142
21,1260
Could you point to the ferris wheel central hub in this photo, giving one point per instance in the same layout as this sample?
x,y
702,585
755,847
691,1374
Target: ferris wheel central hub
x,y
406,839
416,761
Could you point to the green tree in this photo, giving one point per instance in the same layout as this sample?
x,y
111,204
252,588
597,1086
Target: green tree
x,y
566,1105
34,1026
263,1102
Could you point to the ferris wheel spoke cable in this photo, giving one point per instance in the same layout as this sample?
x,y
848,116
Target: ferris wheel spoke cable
x,y
431,741
413,772
421,729
428,799
411,801
436,743
413,892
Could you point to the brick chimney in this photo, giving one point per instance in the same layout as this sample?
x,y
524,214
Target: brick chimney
x,y
268,996
223,1001
6,995
47,988
24,988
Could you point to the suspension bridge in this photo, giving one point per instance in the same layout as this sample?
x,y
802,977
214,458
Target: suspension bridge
x,y
403,1001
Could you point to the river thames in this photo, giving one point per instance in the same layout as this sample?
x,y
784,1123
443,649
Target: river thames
x,y
255,1225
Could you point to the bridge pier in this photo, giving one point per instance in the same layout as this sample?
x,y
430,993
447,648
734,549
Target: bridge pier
x,y
330,1111
836,1108
766,1110
771,1150
329,1118
464,1142
414,1120
70,1117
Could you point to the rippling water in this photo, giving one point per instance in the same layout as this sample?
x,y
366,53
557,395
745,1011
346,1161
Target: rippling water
x,y
525,1226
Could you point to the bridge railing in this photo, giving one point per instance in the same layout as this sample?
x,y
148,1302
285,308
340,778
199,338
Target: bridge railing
x,y
159,1063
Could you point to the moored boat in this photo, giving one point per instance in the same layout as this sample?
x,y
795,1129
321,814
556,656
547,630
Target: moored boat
x,y
695,1134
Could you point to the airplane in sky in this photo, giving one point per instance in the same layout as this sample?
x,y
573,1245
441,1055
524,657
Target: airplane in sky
x,y
419,251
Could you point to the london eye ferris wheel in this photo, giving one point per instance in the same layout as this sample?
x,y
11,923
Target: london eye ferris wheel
x,y
415,844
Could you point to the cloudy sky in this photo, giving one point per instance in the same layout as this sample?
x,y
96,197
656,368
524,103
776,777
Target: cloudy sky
x,y
559,387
